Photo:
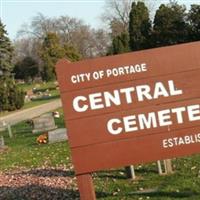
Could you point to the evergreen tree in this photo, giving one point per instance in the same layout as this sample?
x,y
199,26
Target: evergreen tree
x,y
4,103
71,53
6,52
139,27
120,44
26,69
51,52
11,97
170,26
194,23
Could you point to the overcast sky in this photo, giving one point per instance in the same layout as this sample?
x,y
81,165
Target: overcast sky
x,y
14,13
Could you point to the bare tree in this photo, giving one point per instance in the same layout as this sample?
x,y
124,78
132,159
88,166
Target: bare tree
x,y
67,26
102,41
116,14
73,32
39,27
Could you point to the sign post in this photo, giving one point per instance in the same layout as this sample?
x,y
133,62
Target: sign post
x,y
168,166
86,187
130,172
131,108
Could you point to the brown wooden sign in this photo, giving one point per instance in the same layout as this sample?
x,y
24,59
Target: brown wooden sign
x,y
131,108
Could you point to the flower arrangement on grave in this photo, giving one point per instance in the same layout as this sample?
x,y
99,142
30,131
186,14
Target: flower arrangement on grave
x,y
42,139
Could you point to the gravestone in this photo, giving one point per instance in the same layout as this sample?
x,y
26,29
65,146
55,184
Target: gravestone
x,y
57,135
2,144
44,123
3,126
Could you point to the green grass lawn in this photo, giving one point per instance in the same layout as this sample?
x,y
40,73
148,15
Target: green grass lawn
x,y
112,184
24,152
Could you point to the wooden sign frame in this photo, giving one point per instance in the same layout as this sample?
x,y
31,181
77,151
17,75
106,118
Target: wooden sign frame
x,y
146,103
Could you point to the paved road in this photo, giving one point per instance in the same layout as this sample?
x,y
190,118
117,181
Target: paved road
x,y
30,113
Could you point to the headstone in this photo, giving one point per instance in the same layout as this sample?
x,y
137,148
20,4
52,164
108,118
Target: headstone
x,y
3,126
9,131
30,95
2,144
27,99
57,135
44,123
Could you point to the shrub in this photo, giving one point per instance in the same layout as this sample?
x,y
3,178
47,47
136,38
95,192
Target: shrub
x,y
12,98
